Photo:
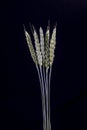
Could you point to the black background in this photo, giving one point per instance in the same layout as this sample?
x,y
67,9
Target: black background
x,y
22,108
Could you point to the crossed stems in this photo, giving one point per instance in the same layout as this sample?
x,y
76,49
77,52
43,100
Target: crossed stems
x,y
44,75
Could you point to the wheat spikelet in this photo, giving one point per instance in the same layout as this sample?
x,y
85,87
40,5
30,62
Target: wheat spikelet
x,y
31,48
52,45
47,36
42,42
38,49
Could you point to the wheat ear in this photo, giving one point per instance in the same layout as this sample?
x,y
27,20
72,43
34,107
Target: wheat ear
x,y
52,46
47,37
42,42
31,48
38,48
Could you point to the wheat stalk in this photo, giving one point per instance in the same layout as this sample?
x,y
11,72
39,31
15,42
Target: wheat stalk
x,y
39,48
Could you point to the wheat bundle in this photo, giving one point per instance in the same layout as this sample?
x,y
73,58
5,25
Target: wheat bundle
x,y
43,57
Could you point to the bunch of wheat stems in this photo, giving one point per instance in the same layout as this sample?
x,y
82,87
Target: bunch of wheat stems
x,y
43,56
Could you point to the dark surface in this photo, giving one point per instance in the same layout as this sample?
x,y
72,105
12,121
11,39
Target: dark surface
x,y
22,108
